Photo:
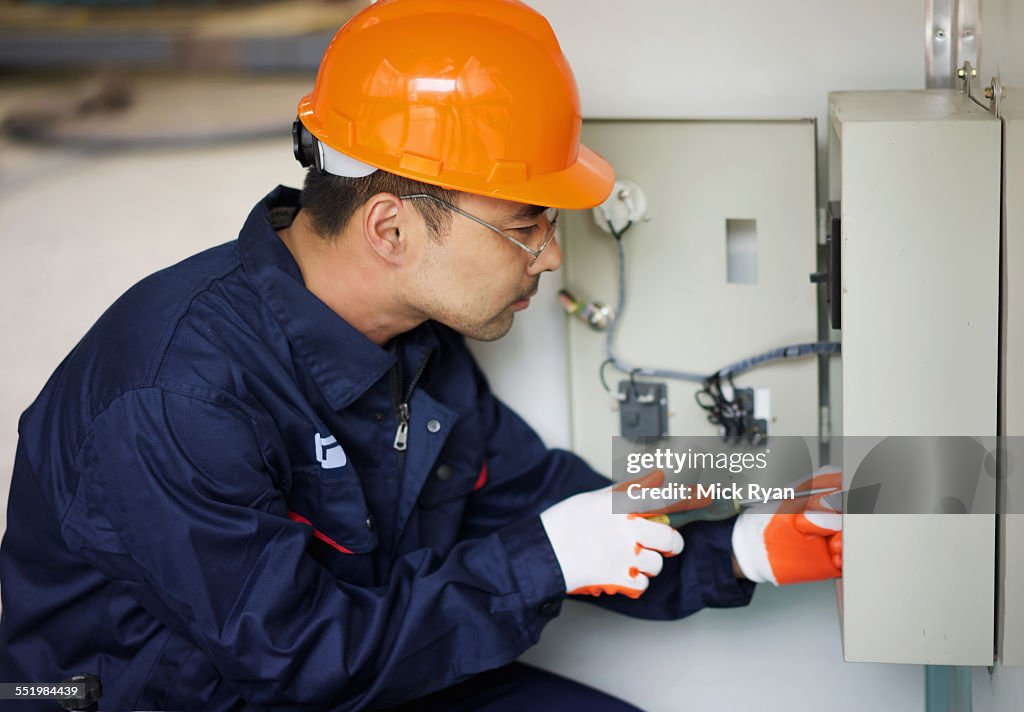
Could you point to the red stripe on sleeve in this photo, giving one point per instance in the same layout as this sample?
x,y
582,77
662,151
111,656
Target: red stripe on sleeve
x,y
481,479
319,534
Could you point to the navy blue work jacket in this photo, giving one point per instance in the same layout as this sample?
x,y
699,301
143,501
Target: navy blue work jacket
x,y
208,510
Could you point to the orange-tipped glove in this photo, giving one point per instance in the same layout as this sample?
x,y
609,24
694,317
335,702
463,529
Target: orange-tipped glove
x,y
796,541
603,552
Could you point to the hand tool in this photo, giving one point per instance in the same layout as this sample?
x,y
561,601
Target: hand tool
x,y
718,509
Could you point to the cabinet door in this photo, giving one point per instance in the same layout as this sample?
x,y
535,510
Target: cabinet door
x,y
920,194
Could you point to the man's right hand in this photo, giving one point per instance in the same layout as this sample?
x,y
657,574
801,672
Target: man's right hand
x,y
603,552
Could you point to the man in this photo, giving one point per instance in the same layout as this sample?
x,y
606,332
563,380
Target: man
x,y
272,476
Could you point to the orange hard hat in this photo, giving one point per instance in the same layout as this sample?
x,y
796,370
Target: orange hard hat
x,y
472,95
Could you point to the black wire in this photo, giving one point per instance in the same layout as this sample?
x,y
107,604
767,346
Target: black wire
x,y
617,234
734,416
604,383
632,382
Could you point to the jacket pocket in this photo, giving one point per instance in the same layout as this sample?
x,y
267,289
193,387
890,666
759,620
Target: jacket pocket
x,y
334,508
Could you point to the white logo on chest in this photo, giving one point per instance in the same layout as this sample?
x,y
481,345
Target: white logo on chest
x,y
329,453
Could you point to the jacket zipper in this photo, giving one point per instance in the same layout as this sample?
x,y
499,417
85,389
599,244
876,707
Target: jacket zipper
x,y
402,407
402,434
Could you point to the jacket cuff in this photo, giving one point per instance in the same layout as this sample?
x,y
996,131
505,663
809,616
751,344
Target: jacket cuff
x,y
536,571
718,580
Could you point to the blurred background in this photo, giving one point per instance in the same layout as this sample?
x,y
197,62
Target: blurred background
x,y
133,134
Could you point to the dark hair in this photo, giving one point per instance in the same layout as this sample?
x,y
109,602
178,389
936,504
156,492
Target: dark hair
x,y
331,200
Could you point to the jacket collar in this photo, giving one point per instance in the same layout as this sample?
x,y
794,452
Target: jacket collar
x,y
343,362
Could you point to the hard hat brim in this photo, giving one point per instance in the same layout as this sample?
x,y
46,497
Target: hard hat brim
x,y
584,184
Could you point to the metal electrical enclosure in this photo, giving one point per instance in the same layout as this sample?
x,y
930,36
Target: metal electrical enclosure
x,y
918,177
718,193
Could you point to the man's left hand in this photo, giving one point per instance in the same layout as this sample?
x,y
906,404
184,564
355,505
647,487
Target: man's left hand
x,y
801,540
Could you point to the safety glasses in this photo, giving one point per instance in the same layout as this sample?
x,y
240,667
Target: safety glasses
x,y
551,214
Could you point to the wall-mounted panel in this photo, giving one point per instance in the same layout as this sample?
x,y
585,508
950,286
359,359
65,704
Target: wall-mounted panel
x,y
717,273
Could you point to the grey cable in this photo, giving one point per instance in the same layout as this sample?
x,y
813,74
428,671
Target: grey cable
x,y
784,352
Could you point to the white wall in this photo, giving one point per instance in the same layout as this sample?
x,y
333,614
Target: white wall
x,y
1001,48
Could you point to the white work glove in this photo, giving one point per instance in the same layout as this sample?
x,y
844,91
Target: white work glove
x,y
793,541
603,552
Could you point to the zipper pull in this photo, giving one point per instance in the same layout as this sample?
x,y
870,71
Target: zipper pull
x,y
402,434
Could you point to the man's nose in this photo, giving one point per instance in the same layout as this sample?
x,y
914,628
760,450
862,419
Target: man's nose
x,y
550,259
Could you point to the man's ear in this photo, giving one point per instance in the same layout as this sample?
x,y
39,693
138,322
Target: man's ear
x,y
382,226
